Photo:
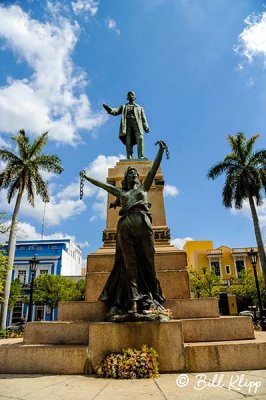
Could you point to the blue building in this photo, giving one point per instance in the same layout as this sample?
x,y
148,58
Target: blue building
x,y
56,257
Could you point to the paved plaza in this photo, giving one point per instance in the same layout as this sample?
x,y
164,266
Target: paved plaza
x,y
208,386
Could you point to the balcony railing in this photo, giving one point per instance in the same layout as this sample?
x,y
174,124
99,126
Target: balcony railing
x,y
212,252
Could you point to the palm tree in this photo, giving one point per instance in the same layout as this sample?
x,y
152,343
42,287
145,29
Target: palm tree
x,y
245,171
22,173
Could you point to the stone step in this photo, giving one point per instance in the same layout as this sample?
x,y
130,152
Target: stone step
x,y
18,358
193,308
174,283
96,311
241,355
57,332
218,329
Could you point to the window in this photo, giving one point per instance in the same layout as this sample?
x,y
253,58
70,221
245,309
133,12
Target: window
x,y
54,247
39,313
215,266
22,248
17,312
228,269
39,247
31,247
43,271
240,265
22,276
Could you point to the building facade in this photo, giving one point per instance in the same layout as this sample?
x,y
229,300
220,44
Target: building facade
x,y
227,262
56,257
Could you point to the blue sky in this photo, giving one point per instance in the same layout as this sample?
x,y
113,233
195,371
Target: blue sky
x,y
198,69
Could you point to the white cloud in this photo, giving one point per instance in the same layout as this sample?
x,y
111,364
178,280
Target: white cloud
x,y
170,190
180,242
65,204
85,6
112,25
261,211
53,98
252,41
27,231
56,211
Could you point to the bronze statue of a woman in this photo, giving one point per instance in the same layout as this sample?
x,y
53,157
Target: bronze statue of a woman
x,y
132,289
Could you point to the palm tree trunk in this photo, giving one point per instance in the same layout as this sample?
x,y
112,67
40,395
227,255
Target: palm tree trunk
x,y
258,235
11,255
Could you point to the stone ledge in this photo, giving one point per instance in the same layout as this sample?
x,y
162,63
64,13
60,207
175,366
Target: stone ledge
x,y
241,355
17,358
56,332
218,329
193,308
82,311
96,311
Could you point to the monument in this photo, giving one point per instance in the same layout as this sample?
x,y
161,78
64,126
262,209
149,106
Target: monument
x,y
137,275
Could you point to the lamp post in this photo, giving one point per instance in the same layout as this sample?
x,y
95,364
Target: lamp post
x,y
33,268
253,256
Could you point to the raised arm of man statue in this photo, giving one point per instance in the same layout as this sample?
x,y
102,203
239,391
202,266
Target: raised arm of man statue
x,y
133,125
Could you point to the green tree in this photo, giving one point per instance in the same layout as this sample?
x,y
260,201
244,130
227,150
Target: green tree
x,y
3,269
22,173
50,289
245,171
244,287
205,284
15,293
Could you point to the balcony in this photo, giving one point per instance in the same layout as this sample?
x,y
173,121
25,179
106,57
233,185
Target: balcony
x,y
214,252
240,252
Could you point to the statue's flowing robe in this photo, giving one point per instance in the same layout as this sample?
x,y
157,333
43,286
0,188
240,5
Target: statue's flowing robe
x,y
133,277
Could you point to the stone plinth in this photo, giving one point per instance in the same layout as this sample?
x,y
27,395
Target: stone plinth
x,y
175,284
166,258
165,337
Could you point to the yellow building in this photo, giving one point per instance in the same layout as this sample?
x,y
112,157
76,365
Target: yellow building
x,y
227,262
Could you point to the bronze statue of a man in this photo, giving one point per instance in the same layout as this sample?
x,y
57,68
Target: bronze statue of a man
x,y
133,125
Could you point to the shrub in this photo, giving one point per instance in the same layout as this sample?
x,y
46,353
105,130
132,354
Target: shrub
x,y
130,364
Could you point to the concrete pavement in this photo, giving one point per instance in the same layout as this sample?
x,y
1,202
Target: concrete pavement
x,y
231,385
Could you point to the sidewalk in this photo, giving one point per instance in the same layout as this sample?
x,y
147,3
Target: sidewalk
x,y
231,385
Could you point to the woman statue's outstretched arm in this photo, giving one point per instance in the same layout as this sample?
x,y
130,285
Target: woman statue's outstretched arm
x,y
106,186
156,163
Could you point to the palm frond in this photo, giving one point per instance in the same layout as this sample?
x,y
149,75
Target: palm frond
x,y
49,163
30,191
250,144
38,145
6,155
218,169
13,188
41,187
23,144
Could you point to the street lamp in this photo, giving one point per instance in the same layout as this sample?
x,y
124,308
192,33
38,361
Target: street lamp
x,y
253,256
33,268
